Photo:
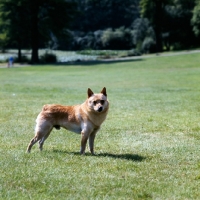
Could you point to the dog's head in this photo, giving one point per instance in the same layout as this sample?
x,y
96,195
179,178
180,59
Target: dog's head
x,y
98,102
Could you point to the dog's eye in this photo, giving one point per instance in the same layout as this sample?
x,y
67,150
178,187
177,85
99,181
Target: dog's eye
x,y
102,102
94,102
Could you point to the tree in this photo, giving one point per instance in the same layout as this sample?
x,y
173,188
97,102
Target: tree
x,y
154,11
102,14
47,18
34,21
171,20
117,39
177,24
143,35
14,24
196,19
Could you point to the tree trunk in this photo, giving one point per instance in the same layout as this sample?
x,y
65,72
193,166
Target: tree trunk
x,y
34,32
158,21
19,54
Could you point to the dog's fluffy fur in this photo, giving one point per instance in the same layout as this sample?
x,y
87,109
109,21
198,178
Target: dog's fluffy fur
x,y
85,119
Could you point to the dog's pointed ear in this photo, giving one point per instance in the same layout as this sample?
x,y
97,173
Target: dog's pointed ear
x,y
90,93
103,91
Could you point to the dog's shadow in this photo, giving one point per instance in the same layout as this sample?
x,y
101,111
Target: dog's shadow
x,y
125,156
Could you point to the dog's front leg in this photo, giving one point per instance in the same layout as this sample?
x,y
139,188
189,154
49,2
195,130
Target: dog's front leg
x,y
91,141
84,138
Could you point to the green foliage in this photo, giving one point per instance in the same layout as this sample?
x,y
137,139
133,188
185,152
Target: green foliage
x,y
117,39
3,40
104,54
24,59
100,15
48,58
90,40
153,10
148,8
27,23
178,27
148,147
143,35
171,20
196,19
139,36
14,21
94,24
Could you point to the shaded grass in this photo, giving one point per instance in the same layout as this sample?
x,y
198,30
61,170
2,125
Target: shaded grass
x,y
148,148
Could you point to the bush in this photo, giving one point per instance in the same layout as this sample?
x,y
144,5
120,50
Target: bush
x,y
90,40
133,52
143,35
139,36
48,58
24,59
148,45
117,39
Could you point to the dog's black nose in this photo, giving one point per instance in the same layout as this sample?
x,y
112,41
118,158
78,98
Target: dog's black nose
x,y
100,109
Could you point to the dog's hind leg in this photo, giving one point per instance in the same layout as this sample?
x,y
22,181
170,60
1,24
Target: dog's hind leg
x,y
42,131
41,141
32,142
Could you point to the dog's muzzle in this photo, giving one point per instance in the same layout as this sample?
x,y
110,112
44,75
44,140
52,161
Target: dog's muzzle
x,y
100,109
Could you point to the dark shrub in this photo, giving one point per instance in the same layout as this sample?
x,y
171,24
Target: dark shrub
x,y
117,39
48,58
143,35
24,59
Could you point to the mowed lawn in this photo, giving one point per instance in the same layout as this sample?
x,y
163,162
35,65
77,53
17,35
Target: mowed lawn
x,y
148,147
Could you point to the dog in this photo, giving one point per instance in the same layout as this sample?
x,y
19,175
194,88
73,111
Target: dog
x,y
84,119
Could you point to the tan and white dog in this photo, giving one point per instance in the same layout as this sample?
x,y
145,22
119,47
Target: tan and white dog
x,y
85,119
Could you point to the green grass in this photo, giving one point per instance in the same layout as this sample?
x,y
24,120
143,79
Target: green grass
x,y
148,147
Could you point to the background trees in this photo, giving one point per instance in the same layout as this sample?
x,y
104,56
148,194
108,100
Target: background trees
x,y
95,15
178,29
171,20
196,19
14,24
32,23
145,25
153,10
